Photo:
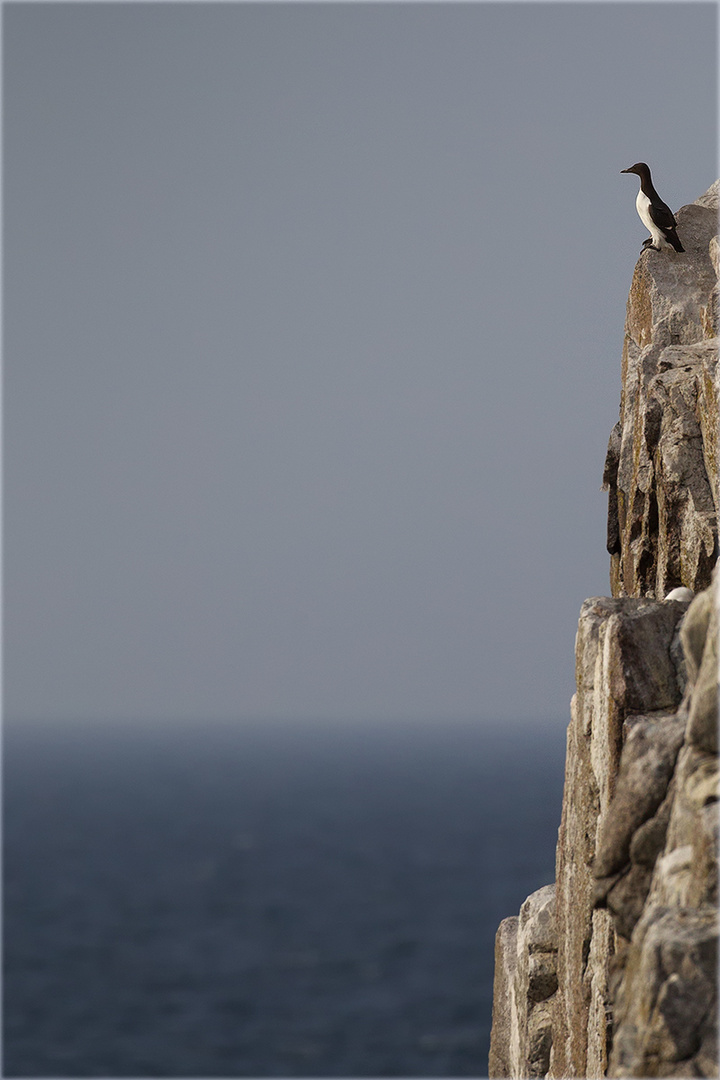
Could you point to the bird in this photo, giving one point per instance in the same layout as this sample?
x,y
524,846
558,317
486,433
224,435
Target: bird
x,y
654,213
681,593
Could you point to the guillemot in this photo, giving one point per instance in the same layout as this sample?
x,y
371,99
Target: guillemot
x,y
681,593
655,215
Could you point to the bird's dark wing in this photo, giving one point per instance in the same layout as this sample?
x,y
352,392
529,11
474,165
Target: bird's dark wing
x,y
662,215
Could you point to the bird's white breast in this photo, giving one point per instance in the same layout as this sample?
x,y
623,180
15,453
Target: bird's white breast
x,y
643,208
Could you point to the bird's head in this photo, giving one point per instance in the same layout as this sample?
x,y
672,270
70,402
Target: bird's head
x,y
640,168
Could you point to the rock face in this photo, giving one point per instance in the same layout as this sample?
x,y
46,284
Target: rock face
x,y
663,452
666,1000
612,971
524,988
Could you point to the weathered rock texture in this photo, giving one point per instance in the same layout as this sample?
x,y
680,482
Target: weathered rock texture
x,y
663,452
612,971
524,988
665,1005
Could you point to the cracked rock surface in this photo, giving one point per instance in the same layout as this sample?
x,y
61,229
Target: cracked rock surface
x,y
662,461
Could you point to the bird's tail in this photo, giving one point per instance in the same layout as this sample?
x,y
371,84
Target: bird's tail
x,y
674,239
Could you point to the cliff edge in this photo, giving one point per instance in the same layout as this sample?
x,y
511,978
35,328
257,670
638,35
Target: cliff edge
x,y
612,970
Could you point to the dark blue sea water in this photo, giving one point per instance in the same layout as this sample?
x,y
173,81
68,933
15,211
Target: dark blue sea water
x,y
275,899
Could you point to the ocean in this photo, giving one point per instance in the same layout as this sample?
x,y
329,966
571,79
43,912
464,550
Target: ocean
x,y
266,899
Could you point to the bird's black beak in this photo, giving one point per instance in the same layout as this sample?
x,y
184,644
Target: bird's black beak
x,y
625,170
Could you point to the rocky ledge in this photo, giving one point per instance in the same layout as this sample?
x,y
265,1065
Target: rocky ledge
x,y
612,970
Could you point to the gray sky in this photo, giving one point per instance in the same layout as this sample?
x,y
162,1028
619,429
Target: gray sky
x,y
313,322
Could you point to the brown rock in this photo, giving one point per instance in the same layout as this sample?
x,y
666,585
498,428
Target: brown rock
x,y
646,766
699,635
623,666
613,971
667,1004
665,997
662,462
500,1061
525,982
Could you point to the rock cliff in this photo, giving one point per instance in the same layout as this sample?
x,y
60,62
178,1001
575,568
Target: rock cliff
x,y
612,970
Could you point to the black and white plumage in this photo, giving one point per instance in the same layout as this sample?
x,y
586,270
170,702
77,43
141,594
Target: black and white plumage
x,y
655,215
